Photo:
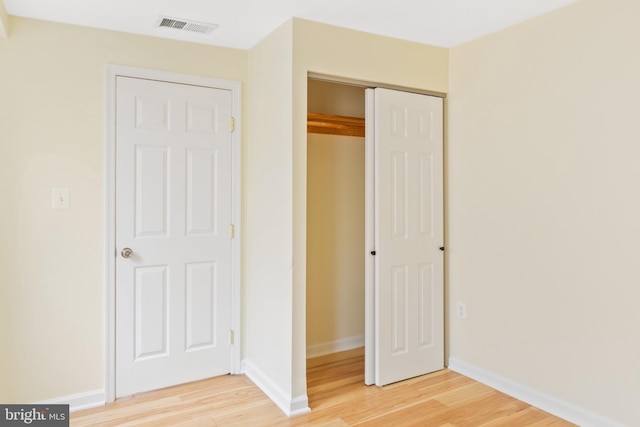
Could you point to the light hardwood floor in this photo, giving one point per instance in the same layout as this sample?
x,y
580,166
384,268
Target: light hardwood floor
x,y
337,396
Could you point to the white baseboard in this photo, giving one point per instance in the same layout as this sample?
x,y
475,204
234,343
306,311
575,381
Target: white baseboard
x,y
547,403
344,344
299,406
291,406
77,402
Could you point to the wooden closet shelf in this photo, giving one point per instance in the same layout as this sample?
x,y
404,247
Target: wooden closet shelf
x,y
335,125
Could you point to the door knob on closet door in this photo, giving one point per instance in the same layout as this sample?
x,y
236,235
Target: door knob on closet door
x,y
126,253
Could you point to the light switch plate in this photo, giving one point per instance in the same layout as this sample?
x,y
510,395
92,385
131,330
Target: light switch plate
x,y
60,198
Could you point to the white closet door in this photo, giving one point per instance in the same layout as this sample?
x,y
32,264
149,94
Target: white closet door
x,y
408,229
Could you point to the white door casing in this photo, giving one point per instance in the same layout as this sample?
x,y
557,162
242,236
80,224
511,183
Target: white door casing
x,y
174,197
408,229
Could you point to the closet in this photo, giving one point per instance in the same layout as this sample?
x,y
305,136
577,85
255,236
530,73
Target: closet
x,y
335,217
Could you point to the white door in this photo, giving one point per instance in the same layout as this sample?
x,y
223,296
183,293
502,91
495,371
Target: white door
x,y
408,230
173,211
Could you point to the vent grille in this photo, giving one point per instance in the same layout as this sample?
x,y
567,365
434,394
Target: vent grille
x,y
185,25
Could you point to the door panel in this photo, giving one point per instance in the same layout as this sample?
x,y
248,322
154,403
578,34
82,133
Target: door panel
x,y
173,205
399,322
427,301
150,312
202,170
201,307
408,229
151,173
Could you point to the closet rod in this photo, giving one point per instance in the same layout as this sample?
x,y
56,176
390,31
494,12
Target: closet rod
x,y
335,125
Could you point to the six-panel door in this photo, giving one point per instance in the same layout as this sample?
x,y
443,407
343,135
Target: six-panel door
x,y
409,284
173,210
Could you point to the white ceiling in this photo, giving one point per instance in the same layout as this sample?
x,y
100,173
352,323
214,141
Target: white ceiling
x,y
243,23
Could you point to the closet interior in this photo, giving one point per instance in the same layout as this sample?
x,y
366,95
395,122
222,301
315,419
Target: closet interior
x,y
335,217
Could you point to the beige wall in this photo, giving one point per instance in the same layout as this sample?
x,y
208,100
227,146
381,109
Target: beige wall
x,y
328,97
268,226
544,208
52,134
335,239
335,221
334,51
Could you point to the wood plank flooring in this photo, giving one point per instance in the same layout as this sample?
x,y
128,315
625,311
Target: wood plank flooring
x,y
337,396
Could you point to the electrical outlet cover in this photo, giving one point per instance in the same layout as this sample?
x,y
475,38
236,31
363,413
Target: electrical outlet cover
x,y
60,198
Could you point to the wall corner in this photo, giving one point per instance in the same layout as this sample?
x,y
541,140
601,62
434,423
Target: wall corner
x,y
5,21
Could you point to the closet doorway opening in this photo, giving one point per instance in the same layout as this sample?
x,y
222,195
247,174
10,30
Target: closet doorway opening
x,y
384,195
335,320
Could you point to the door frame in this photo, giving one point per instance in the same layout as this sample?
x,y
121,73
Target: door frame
x,y
111,74
369,243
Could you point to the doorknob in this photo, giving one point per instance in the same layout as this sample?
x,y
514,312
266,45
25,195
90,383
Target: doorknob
x,y
126,253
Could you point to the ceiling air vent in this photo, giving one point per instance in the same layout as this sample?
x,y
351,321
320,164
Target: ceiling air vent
x,y
185,25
